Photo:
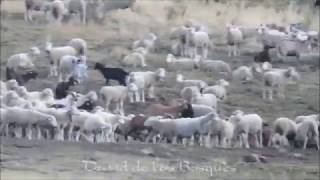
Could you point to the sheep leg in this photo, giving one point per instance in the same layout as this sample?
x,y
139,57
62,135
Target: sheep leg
x,y
137,97
305,141
234,50
77,138
205,53
229,50
317,140
38,132
151,95
121,108
142,96
29,131
270,90
4,127
70,133
245,140
264,92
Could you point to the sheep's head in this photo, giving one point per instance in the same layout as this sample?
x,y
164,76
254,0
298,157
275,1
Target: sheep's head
x,y
12,84
51,121
179,78
161,74
132,87
47,93
223,82
22,91
170,58
35,51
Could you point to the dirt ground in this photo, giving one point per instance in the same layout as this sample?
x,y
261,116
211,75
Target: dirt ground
x,y
22,159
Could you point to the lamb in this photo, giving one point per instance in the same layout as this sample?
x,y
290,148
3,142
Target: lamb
x,y
46,95
305,129
181,63
276,79
21,63
117,94
190,82
246,124
88,123
223,129
201,110
299,119
206,99
12,85
35,5
57,10
234,38
135,59
66,67
286,128
54,54
270,37
77,7
62,88
117,74
199,40
216,66
242,74
187,93
12,99
137,81
80,45
218,90
148,42
150,78
27,117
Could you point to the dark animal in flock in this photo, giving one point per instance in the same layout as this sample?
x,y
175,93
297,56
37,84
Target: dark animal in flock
x,y
62,88
263,56
20,78
117,74
162,110
87,105
188,112
317,3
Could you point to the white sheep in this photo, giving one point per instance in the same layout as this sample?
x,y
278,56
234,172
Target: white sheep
x,y
12,85
55,54
28,117
190,82
315,117
89,123
276,79
270,37
58,10
242,74
139,82
216,66
66,67
187,93
23,61
200,110
3,88
223,129
205,99
148,42
12,99
284,127
46,96
308,129
245,124
219,90
135,59
150,78
198,40
116,94
181,63
80,45
234,38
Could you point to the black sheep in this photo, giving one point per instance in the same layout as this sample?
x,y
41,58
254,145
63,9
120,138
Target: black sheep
x,y
117,74
63,88
263,56
188,112
20,78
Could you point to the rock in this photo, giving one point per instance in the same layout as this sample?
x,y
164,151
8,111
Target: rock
x,y
148,152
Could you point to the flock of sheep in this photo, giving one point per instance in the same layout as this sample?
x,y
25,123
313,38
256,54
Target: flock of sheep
x,y
62,114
